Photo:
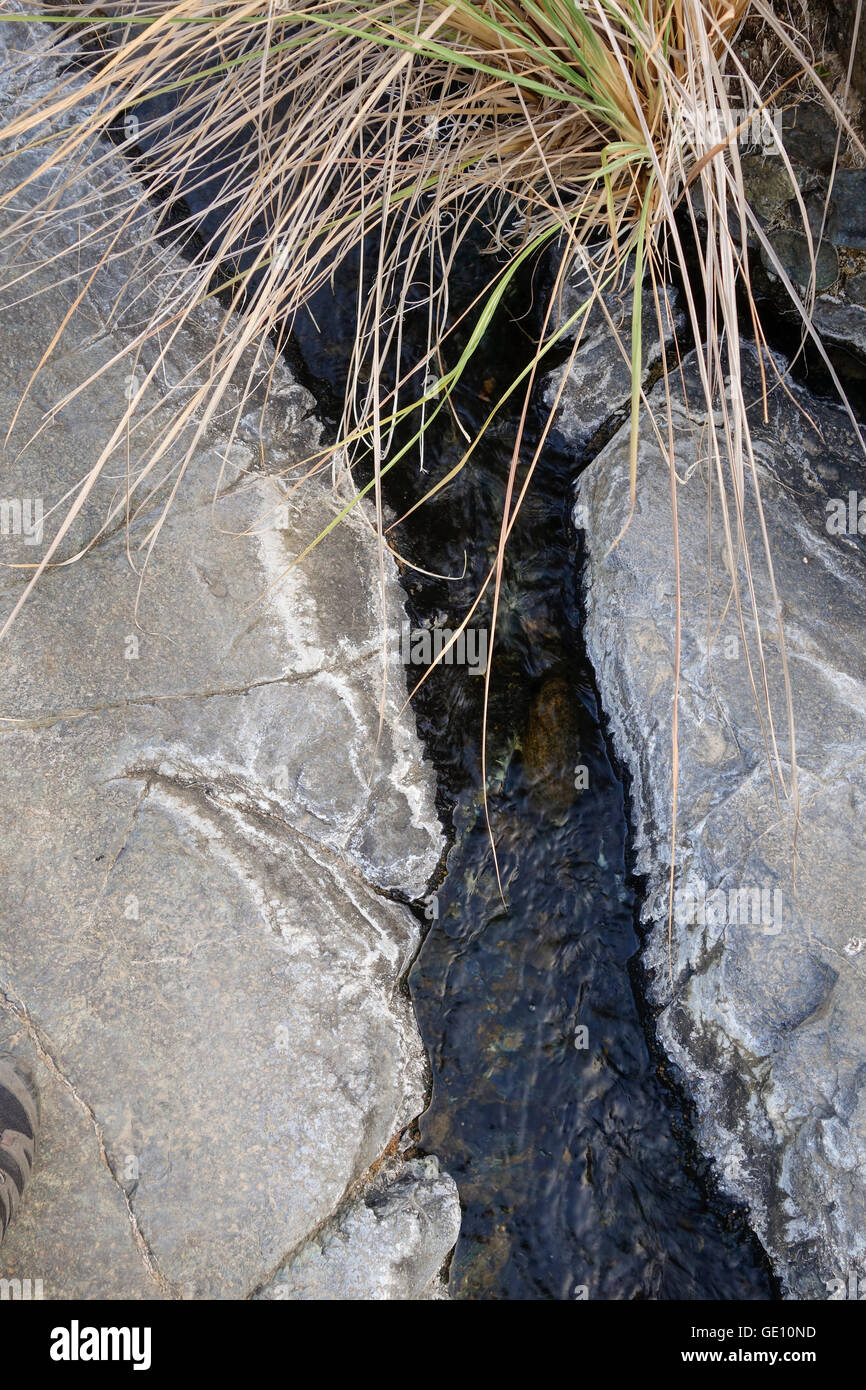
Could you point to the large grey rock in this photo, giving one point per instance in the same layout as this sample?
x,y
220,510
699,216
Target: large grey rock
x,y
767,1014
202,823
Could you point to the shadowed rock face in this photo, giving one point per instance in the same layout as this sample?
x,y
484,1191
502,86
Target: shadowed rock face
x,y
835,202
841,17
767,1016
199,956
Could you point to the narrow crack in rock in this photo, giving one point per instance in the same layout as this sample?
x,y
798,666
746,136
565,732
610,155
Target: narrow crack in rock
x,y
51,717
352,1190
18,1009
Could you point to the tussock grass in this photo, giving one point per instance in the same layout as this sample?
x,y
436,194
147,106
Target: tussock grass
x,y
390,128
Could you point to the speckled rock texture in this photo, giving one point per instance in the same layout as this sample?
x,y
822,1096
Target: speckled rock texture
x,y
386,1244
203,828
766,1014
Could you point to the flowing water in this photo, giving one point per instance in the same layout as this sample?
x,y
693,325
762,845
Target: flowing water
x,y
570,1144
571,1147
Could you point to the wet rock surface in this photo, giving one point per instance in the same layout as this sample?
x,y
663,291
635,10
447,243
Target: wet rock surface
x,y
200,955
767,1015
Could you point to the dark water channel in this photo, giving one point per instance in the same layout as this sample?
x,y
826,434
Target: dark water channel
x,y
571,1147
570,1144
